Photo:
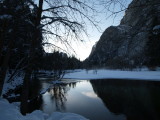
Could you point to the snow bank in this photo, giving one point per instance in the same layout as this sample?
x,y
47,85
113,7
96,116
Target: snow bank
x,y
11,112
65,116
13,84
114,74
36,115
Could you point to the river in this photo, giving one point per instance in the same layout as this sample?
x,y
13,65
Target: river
x,y
110,99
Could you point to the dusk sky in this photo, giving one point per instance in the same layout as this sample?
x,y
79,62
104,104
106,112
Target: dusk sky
x,y
83,49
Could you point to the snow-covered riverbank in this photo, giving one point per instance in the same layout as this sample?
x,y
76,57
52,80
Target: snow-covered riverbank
x,y
11,112
83,74
113,74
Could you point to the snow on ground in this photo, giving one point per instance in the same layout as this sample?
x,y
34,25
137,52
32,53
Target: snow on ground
x,y
12,84
113,74
11,112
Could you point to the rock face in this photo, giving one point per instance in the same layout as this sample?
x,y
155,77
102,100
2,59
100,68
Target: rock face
x,y
124,45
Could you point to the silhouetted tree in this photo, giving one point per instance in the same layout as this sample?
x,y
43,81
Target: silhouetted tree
x,y
15,32
66,18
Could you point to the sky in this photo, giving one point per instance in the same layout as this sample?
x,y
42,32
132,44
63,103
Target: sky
x,y
83,49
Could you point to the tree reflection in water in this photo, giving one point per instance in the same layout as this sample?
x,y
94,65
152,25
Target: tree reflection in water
x,y
58,94
138,100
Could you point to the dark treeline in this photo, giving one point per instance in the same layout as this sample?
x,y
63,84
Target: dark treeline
x,y
59,61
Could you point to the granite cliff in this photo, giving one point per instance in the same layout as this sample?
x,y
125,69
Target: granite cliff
x,y
125,45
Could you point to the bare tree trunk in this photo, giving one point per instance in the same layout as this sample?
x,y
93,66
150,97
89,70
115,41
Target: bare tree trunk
x,y
2,40
1,46
25,89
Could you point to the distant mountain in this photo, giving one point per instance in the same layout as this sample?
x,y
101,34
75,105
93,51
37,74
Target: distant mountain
x,y
125,45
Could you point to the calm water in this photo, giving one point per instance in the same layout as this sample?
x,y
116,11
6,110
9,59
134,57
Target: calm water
x,y
105,99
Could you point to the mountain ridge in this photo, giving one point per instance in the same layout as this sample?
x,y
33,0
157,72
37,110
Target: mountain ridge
x,y
124,46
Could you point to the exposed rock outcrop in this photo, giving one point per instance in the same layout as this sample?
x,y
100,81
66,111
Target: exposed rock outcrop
x,y
124,45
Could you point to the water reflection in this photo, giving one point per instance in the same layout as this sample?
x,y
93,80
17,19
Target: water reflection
x,y
138,100
58,95
77,98
103,99
55,98
90,94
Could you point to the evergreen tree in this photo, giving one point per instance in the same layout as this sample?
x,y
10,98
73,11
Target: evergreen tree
x,y
15,30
